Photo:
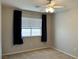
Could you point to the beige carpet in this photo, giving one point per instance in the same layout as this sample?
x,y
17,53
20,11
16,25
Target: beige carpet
x,y
39,54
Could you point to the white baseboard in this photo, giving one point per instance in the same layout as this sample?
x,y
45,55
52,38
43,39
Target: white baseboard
x,y
24,51
64,52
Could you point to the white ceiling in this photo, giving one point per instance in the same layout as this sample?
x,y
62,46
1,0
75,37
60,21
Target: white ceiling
x,y
27,4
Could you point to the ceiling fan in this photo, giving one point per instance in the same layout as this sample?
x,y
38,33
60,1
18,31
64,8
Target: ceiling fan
x,y
51,6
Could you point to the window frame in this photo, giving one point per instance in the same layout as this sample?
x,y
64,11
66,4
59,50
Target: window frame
x,y
31,32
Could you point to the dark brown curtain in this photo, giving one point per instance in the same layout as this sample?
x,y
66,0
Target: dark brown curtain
x,y
17,38
44,28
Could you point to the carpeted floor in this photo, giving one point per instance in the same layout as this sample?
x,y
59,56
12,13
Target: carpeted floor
x,y
39,54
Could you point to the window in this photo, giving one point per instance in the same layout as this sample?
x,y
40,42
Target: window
x,y
31,27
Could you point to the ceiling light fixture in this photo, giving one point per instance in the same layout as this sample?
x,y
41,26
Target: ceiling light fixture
x,y
49,10
51,6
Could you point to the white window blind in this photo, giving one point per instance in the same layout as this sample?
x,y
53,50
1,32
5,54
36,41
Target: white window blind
x,y
31,26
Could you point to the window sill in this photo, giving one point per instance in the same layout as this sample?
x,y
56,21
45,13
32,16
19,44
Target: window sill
x,y
30,36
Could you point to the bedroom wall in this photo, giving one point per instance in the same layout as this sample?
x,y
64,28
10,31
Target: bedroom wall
x,y
7,21
65,29
0,34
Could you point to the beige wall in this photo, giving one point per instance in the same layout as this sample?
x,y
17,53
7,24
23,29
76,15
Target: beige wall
x,y
0,33
7,21
65,29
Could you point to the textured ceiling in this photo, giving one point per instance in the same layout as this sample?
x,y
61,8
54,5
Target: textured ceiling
x,y
29,4
25,4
